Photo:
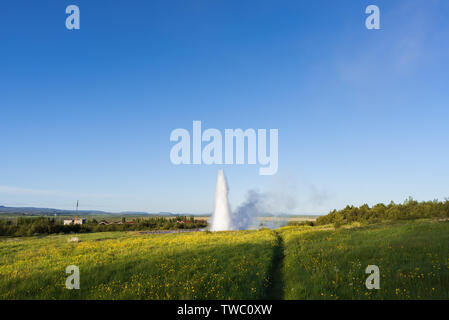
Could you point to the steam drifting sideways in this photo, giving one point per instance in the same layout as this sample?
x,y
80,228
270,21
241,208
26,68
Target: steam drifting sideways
x,y
244,217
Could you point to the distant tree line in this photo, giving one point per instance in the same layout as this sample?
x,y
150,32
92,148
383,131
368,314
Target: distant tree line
x,y
41,225
410,209
301,223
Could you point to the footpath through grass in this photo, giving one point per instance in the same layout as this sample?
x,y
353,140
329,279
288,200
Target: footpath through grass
x,y
288,263
275,290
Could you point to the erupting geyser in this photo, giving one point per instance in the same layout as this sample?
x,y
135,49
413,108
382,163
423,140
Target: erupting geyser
x,y
221,220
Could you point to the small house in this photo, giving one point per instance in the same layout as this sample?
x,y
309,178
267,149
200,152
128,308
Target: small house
x,y
74,221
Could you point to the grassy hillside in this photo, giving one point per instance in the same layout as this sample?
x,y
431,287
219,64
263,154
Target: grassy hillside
x,y
291,263
413,258
228,265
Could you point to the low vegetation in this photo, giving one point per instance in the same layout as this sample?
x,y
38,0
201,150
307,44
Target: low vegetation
x,y
410,209
323,263
325,259
127,265
40,225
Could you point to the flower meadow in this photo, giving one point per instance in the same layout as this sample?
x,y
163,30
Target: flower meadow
x,y
413,259
288,263
128,265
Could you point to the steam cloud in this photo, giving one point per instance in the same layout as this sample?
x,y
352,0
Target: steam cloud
x,y
221,220
256,204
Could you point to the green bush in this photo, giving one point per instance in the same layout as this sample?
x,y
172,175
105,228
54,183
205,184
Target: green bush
x,y
42,225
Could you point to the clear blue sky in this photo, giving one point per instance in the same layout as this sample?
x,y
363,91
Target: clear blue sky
x,y
87,114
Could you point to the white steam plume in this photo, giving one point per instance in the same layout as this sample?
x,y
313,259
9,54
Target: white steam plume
x,y
221,220
246,216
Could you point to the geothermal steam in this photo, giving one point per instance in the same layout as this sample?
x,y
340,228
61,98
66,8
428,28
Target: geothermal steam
x,y
221,219
244,217
247,215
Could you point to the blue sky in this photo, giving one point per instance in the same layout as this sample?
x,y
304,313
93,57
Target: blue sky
x,y
87,114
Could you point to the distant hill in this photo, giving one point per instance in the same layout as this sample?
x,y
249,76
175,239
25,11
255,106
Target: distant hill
x,y
33,211
46,211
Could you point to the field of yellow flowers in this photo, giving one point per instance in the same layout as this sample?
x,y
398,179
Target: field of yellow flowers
x,y
413,260
127,265
287,263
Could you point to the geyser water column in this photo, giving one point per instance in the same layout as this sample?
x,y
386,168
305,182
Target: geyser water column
x,y
221,219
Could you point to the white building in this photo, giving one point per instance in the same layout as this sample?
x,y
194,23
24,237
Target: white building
x,y
74,221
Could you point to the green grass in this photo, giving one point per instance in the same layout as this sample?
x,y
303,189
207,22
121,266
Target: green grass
x,y
226,265
413,258
289,263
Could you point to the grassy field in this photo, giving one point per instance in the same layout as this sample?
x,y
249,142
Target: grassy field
x,y
287,263
123,265
413,259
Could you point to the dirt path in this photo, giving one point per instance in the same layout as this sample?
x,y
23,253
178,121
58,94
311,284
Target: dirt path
x,y
276,289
